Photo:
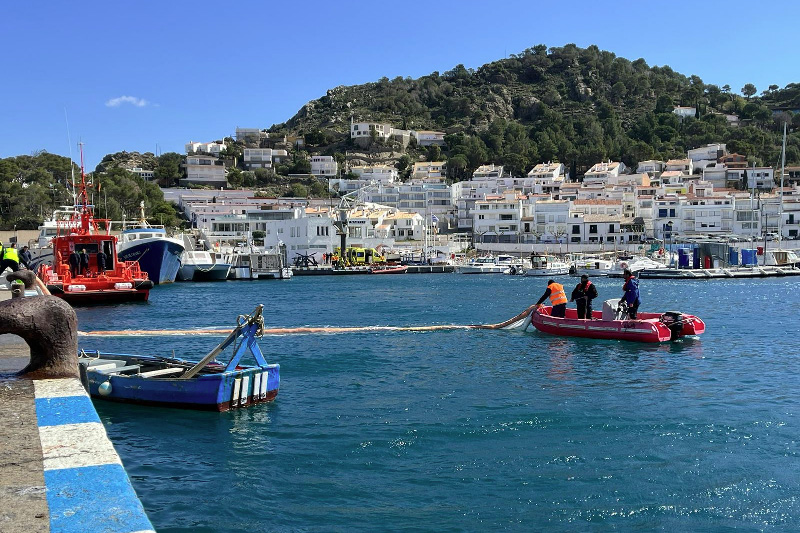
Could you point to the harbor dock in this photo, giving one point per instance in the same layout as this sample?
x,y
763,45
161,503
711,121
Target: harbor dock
x,y
719,273
330,271
59,470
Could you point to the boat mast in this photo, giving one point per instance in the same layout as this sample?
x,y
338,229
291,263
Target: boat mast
x,y
71,165
780,191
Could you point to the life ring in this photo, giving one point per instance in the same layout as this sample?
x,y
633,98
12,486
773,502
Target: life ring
x,y
623,265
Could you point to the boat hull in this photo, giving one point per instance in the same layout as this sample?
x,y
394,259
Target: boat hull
x,y
559,271
389,270
213,272
160,258
647,328
140,292
221,391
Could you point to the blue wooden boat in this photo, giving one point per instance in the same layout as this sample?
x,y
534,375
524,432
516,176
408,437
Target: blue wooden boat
x,y
207,384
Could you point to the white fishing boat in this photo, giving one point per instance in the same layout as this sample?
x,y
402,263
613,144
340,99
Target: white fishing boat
x,y
197,265
546,265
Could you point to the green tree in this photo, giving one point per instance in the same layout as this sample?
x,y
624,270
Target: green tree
x,y
168,169
297,190
749,90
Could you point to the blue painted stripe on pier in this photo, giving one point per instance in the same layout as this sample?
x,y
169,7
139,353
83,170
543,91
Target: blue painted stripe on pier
x,y
96,498
65,410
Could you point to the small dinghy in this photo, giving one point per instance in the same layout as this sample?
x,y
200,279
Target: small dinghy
x,y
612,323
169,382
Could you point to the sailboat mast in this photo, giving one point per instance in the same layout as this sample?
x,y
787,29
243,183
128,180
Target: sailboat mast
x,y
780,207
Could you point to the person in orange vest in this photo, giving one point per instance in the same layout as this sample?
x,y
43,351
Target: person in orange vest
x,y
555,291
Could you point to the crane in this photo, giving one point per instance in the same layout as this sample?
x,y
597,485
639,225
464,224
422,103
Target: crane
x,y
347,202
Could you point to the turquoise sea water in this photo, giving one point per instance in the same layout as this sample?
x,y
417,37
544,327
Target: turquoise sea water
x,y
472,430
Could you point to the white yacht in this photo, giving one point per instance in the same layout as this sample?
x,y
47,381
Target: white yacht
x,y
491,265
634,264
546,265
250,263
591,266
203,266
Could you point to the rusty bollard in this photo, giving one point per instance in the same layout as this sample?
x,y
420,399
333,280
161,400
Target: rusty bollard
x,y
49,326
17,289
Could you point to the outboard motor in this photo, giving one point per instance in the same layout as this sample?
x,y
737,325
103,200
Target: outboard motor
x,y
674,321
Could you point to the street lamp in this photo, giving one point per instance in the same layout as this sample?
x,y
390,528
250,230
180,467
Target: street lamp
x,y
669,237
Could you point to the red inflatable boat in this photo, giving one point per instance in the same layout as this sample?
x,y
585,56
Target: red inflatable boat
x,y
648,327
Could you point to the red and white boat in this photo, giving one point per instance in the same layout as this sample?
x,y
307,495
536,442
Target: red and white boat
x,y
119,281
648,327
388,269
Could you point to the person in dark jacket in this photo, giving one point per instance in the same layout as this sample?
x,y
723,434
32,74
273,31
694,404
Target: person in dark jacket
x,y
84,262
101,262
631,296
582,295
25,257
74,264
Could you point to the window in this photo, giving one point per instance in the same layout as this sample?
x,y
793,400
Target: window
x,y
672,212
576,230
662,213
592,228
611,228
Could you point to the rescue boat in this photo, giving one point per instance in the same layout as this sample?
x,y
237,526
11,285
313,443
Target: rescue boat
x,y
610,323
82,234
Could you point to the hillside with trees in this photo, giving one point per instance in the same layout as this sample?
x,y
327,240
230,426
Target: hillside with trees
x,y
568,104
33,186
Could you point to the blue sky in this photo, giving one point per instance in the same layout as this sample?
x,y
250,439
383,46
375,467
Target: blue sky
x,y
146,75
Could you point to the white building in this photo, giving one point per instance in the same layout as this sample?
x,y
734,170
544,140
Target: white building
x,y
651,167
364,130
250,135
147,175
489,172
429,172
707,156
379,173
548,178
428,138
323,165
257,158
760,178
601,172
685,111
204,170
213,148
684,166
497,218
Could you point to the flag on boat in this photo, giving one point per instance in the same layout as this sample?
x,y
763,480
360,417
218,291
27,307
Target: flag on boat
x,y
434,218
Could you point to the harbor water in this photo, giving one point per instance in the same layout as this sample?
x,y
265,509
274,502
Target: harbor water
x,y
468,430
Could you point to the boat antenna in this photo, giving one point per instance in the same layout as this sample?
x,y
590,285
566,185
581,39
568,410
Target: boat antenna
x,y
71,163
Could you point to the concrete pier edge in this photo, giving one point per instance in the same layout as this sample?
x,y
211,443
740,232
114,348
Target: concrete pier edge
x,y
86,485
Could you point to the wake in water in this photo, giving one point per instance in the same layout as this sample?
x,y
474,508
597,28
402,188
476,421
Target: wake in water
x,y
519,322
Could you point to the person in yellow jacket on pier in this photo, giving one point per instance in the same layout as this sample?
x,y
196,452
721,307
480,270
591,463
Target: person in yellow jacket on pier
x,y
10,258
555,291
